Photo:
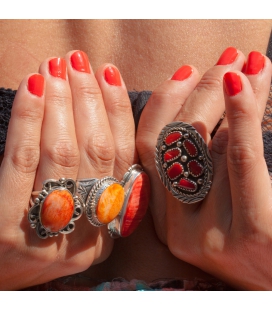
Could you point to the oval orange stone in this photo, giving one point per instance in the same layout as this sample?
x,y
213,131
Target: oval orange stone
x,y
137,205
57,210
110,203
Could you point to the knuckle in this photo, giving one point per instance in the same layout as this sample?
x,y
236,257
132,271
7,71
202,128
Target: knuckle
x,y
58,98
162,95
30,114
90,93
212,245
241,158
64,154
210,82
101,152
25,158
119,106
220,142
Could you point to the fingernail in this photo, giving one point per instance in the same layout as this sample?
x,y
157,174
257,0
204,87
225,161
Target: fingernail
x,y
36,84
232,83
255,63
80,62
57,68
112,76
182,73
228,56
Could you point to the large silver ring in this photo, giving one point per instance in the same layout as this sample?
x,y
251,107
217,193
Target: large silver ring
x,y
137,193
183,162
55,208
104,201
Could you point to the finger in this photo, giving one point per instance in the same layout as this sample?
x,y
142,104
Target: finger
x,y
92,126
120,117
205,105
22,150
59,151
247,168
203,109
95,143
161,109
257,72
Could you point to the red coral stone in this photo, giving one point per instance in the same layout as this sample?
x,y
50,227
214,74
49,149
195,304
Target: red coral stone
x,y
171,154
174,171
190,148
187,185
195,168
137,204
57,210
173,137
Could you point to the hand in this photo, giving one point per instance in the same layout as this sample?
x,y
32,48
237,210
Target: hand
x,y
70,124
228,234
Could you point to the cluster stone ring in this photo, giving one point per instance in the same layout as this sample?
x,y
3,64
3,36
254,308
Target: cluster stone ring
x,y
54,209
104,201
137,193
183,162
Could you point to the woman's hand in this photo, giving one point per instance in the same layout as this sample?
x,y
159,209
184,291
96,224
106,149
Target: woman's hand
x,y
66,122
229,233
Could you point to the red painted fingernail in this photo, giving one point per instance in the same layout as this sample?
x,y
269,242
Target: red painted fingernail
x,y
112,76
232,83
228,56
182,73
57,68
36,84
80,62
255,63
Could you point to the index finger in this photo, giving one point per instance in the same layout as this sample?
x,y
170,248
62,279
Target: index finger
x,y
22,151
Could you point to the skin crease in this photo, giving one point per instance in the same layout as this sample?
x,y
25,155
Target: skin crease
x,y
146,52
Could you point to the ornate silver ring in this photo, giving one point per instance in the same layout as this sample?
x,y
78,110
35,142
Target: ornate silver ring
x,y
55,208
183,162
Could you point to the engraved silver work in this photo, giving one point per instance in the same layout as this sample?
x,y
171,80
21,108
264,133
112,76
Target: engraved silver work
x,y
34,213
190,189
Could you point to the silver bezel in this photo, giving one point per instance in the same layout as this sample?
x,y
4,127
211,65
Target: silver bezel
x,y
114,227
206,162
34,213
93,197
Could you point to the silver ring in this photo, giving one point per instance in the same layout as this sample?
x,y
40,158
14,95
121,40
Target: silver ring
x,y
84,187
137,193
55,208
104,201
183,162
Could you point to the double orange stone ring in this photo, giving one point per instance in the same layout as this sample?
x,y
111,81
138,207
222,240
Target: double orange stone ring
x,y
183,162
121,205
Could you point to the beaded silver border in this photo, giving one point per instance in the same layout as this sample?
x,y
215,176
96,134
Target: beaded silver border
x,y
93,197
206,159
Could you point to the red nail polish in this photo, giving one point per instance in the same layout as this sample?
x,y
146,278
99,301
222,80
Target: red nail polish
x,y
80,62
255,63
182,73
36,84
232,83
112,76
57,68
228,56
